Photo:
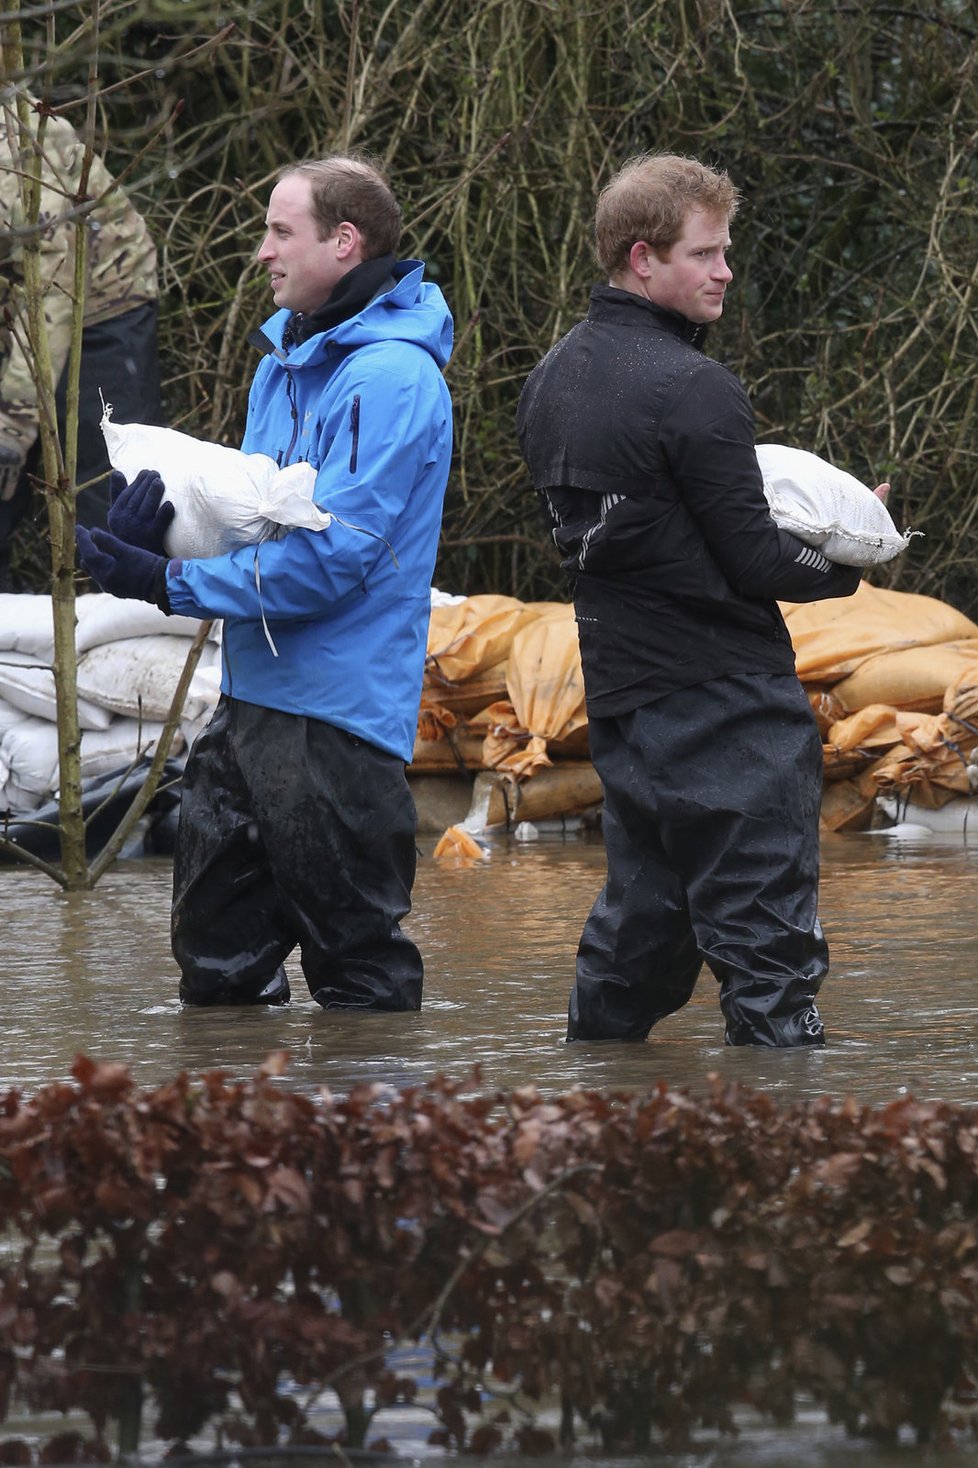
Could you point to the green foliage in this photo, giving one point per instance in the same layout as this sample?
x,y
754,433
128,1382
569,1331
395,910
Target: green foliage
x,y
222,1251
851,131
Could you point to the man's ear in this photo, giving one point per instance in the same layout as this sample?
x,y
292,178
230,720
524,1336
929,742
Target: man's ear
x,y
349,240
638,259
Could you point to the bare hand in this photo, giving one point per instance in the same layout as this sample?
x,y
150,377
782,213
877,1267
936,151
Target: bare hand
x,y
881,491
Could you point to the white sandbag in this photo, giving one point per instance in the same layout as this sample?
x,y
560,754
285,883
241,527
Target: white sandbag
x,y
104,618
123,743
9,716
204,692
28,764
15,801
29,772
141,674
29,686
11,796
828,508
958,817
223,498
27,622
205,685
26,625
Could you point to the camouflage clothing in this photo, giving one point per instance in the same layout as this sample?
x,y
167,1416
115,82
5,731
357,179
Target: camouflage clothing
x,y
121,259
119,361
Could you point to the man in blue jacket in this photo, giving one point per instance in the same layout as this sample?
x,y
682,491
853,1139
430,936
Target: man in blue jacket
x,y
297,826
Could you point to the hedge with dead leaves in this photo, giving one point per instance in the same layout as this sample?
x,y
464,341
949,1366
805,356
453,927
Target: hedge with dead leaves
x,y
211,1254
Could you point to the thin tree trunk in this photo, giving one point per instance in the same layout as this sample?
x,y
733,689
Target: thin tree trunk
x,y
57,475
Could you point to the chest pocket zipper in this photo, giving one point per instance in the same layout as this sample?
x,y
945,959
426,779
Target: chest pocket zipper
x,y
355,432
294,412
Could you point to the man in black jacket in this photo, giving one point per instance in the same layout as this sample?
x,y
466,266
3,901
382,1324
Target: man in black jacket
x,y
642,448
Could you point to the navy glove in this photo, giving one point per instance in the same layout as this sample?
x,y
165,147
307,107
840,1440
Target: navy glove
x,y
136,512
124,570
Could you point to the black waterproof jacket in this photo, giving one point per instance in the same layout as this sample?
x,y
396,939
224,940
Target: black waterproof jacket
x,y
643,450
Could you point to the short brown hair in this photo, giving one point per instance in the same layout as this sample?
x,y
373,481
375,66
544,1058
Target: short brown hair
x,y
649,199
349,186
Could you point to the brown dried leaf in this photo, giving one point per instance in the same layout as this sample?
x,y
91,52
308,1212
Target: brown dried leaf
x,y
855,1235
276,1063
288,1188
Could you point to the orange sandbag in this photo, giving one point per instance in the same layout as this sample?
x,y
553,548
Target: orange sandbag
x,y
909,677
458,845
454,750
874,727
833,638
465,698
927,780
544,677
932,760
546,696
468,637
847,806
825,706
564,790
961,697
938,735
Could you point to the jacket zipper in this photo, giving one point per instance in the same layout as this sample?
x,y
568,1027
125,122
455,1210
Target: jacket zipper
x,y
293,409
355,431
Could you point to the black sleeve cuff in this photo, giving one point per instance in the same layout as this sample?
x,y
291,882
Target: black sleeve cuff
x,y
160,596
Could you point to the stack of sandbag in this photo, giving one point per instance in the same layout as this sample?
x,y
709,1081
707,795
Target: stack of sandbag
x,y
503,687
504,695
892,678
544,714
129,660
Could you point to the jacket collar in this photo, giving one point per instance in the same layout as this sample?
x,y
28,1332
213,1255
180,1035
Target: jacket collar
x,y
354,291
609,303
383,276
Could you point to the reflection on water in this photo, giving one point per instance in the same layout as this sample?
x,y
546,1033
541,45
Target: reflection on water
x,y
92,972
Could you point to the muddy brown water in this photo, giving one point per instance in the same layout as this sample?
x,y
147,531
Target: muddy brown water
x,y
92,973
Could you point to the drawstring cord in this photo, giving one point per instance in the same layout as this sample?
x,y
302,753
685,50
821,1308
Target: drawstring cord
x,y
268,635
347,526
373,536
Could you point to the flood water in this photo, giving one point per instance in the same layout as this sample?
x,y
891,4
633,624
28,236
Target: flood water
x,y
92,973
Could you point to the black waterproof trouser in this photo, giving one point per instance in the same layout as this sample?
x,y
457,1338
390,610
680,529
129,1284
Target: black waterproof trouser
x,y
712,799
293,832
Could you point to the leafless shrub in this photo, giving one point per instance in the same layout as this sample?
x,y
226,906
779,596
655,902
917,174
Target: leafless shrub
x,y
850,129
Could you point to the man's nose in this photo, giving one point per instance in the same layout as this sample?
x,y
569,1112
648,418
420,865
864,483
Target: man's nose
x,y
723,271
265,250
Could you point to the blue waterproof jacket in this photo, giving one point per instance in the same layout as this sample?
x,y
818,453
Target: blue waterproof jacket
x,y
347,607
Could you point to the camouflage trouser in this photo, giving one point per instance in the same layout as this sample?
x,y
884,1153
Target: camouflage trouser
x,y
120,362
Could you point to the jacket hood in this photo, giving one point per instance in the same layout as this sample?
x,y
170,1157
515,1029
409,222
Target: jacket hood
x,y
413,310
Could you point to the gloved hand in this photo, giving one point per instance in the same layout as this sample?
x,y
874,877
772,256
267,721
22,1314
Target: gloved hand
x,y
136,512
124,570
11,465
